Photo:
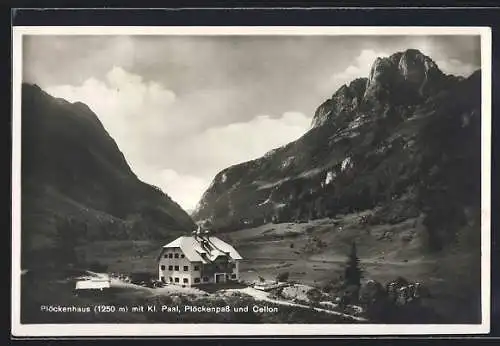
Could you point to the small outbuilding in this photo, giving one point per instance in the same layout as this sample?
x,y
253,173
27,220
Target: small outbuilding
x,y
93,284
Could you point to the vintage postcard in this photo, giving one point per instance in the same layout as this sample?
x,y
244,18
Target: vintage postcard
x,y
245,181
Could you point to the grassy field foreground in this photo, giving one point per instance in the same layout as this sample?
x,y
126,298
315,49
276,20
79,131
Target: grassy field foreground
x,y
312,253
127,303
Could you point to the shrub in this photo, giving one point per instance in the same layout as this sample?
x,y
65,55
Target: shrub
x,y
400,281
372,292
137,277
334,285
282,277
314,295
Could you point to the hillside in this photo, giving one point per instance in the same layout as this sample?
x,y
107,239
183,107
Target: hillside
x,y
77,186
403,142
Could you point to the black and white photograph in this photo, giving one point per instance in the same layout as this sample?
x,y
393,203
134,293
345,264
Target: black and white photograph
x,y
249,181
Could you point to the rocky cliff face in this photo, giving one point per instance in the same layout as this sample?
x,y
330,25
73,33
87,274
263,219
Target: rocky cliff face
x,y
77,185
405,78
378,142
346,99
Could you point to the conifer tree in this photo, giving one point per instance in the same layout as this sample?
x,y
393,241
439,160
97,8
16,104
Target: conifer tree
x,y
353,274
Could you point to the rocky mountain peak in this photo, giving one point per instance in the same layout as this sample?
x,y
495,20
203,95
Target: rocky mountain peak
x,y
405,78
396,157
416,67
402,78
345,99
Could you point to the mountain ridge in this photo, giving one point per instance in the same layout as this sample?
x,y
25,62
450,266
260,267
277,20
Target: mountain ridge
x,y
77,186
365,149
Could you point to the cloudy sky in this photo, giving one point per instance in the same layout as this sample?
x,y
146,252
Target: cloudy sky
x,y
182,108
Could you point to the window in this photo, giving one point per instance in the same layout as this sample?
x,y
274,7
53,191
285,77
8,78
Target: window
x,y
170,255
182,256
196,280
177,268
162,279
196,268
170,279
176,255
205,279
185,280
176,280
165,256
170,267
186,268
233,276
162,267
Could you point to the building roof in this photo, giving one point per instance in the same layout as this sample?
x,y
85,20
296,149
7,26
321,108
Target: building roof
x,y
203,249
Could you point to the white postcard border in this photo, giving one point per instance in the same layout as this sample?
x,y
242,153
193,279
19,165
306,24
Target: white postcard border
x,y
207,330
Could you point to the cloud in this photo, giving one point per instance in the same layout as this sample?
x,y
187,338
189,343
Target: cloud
x,y
216,148
240,142
185,189
173,141
360,67
456,67
126,105
448,61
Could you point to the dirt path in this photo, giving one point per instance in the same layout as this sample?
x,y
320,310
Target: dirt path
x,y
256,294
264,296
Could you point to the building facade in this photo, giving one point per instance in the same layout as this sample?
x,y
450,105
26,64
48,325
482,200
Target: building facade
x,y
198,259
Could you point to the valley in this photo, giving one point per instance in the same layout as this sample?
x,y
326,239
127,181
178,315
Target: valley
x,y
314,254
388,176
